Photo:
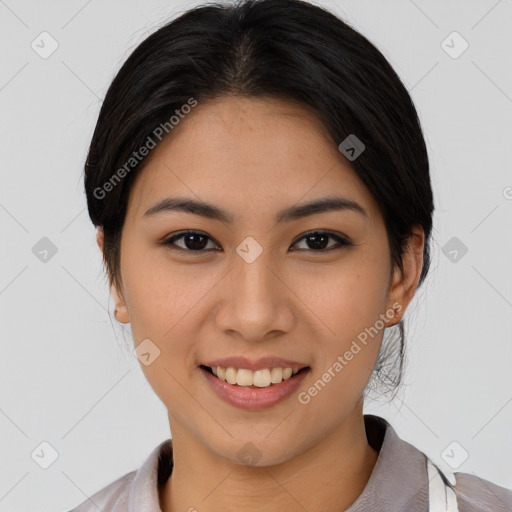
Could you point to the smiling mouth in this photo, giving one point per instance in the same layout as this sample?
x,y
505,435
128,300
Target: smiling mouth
x,y
263,378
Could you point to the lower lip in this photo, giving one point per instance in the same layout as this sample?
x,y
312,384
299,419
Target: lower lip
x,y
254,398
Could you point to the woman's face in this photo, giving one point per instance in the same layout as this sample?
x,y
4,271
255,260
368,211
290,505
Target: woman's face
x,y
256,286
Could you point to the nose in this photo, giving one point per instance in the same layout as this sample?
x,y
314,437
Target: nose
x,y
256,303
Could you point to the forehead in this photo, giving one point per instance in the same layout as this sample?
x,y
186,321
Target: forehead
x,y
250,154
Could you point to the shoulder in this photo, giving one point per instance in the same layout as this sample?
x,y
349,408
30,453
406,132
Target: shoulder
x,y
402,464
112,498
136,490
475,494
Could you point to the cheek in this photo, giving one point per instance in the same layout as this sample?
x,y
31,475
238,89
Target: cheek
x,y
164,304
160,296
348,303
346,298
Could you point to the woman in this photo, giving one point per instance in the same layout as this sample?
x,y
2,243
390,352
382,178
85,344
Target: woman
x,y
260,184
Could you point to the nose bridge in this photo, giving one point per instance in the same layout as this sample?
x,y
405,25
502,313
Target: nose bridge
x,y
256,301
254,281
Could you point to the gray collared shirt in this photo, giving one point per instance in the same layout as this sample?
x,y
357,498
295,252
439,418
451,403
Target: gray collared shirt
x,y
398,483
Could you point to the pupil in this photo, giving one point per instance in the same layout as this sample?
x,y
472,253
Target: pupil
x,y
189,242
317,245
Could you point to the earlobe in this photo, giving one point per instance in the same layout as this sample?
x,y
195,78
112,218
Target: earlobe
x,y
99,238
394,313
405,283
120,311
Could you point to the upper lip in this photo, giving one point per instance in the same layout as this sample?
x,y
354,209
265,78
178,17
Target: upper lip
x,y
255,364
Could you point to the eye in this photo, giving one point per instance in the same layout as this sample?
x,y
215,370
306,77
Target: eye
x,y
316,240
195,241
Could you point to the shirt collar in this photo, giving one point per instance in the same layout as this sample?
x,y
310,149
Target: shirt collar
x,y
143,491
398,480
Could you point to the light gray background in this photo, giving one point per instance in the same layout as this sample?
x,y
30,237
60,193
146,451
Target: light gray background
x,y
65,377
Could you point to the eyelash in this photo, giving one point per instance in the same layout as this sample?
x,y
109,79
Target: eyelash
x,y
342,241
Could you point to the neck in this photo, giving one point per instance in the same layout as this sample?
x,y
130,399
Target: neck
x,y
329,476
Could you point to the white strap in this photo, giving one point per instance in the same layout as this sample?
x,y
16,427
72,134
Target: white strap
x,y
442,498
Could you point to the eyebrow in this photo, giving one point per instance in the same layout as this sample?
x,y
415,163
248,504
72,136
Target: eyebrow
x,y
289,214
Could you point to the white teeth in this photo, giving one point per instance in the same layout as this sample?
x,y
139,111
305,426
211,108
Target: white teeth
x,y
259,378
244,377
276,375
287,373
230,375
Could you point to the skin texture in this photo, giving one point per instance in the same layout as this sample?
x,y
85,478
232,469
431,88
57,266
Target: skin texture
x,y
252,158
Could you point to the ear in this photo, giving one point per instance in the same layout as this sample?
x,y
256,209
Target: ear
x,y
121,311
404,283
